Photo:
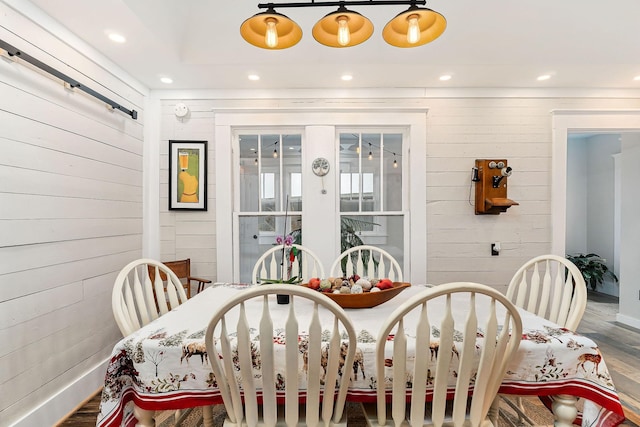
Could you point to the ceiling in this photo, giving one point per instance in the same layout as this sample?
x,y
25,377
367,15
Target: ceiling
x,y
487,44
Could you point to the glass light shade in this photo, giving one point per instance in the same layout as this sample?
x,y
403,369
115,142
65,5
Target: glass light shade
x,y
271,30
401,31
327,31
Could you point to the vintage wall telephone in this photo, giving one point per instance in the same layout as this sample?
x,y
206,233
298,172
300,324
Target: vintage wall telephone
x,y
490,177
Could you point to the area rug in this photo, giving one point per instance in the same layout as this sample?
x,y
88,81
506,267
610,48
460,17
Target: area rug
x,y
538,413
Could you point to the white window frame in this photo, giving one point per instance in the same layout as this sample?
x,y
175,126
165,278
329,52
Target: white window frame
x,y
317,135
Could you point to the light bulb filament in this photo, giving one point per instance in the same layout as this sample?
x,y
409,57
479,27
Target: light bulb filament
x,y
413,33
271,35
344,36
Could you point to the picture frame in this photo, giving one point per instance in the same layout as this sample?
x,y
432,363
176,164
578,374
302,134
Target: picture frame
x,y
188,175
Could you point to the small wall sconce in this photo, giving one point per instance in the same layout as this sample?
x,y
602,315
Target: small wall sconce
x,y
490,177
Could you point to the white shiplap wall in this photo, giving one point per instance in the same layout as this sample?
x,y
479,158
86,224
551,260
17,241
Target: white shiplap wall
x,y
188,234
70,218
459,130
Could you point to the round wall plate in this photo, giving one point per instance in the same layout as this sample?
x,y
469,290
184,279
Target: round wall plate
x,y
320,166
181,110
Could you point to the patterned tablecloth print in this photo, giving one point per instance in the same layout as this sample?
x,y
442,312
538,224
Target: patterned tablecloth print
x,y
165,365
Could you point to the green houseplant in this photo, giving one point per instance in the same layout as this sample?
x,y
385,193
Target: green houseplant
x,y
593,268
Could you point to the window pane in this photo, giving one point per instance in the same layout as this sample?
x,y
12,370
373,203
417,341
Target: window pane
x,y
392,172
249,190
371,197
371,172
270,155
257,234
292,164
296,184
349,172
383,231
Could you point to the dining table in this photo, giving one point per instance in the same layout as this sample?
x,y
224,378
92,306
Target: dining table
x,y
164,365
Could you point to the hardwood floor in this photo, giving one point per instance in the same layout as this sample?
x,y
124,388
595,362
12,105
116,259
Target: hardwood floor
x,y
619,344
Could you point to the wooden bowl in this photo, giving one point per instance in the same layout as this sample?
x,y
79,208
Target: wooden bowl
x,y
367,299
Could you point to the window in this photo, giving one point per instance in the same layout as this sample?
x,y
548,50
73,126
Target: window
x,y
269,191
371,183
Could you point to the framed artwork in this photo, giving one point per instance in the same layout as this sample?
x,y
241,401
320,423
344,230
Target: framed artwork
x,y
188,175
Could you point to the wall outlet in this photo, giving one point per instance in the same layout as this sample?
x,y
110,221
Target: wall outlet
x,y
495,249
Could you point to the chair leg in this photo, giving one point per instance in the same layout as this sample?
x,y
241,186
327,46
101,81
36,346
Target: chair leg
x,y
518,408
144,417
207,416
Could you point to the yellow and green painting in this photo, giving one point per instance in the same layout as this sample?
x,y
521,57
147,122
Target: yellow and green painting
x,y
188,177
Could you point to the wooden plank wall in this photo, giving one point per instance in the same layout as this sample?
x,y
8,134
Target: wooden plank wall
x,y
459,130
70,215
188,234
518,129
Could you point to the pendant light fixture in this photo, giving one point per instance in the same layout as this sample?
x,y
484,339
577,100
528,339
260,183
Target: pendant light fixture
x,y
271,30
343,28
414,27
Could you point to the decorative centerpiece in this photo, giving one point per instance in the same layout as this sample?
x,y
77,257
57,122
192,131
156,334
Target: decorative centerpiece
x,y
289,253
356,291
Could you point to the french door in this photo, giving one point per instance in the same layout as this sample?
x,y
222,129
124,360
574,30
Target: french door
x,y
360,199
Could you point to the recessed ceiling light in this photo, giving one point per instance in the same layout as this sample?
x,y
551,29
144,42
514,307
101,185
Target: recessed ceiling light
x,y
636,78
118,38
166,80
254,77
347,77
445,77
544,77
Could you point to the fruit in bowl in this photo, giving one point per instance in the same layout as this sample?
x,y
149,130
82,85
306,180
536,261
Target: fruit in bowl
x,y
357,292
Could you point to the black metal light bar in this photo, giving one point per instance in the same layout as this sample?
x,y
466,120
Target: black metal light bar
x,y
313,3
13,51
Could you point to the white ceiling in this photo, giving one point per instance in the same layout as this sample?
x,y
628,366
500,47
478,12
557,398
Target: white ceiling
x,y
487,44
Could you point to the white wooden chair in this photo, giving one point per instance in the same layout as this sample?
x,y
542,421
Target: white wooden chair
x,y
367,261
232,352
270,265
140,296
552,287
137,299
475,350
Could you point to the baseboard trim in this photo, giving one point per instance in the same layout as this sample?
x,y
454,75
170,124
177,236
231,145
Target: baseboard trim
x,y
628,320
60,405
78,407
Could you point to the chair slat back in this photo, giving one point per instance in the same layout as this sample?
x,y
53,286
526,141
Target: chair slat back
x,y
370,261
137,299
476,349
271,266
551,287
261,381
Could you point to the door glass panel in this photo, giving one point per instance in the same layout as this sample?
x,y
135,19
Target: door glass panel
x,y
258,234
292,171
383,231
370,173
392,172
371,183
270,176
249,183
270,149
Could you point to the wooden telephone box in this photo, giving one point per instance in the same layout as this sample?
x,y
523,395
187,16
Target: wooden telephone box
x,y
491,187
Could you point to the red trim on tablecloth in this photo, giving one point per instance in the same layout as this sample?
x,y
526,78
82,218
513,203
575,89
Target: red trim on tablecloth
x,y
187,399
